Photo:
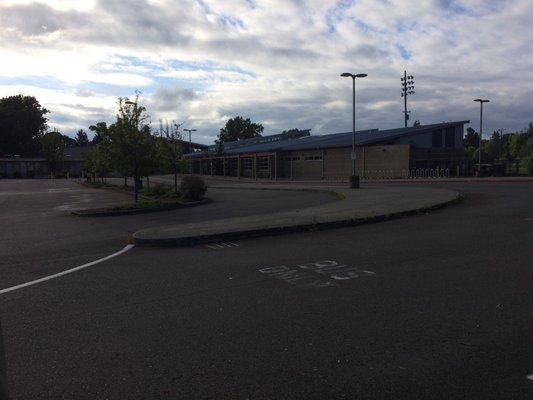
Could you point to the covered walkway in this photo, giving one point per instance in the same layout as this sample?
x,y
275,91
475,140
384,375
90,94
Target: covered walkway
x,y
253,165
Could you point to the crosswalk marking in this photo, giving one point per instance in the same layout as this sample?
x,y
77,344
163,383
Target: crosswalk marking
x,y
221,245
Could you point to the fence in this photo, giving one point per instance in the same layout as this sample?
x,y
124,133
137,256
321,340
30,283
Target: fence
x,y
427,173
418,173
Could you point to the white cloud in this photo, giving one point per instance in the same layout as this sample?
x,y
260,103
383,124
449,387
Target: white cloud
x,y
57,4
276,61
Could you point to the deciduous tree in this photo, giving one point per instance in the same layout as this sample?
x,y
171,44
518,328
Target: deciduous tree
x,y
81,138
53,147
170,151
22,123
239,128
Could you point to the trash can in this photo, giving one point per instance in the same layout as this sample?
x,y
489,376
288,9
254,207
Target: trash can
x,y
138,184
354,181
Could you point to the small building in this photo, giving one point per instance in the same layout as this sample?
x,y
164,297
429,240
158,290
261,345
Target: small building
x,y
37,167
391,153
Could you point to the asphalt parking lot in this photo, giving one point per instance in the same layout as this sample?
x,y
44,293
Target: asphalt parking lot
x,y
41,237
434,306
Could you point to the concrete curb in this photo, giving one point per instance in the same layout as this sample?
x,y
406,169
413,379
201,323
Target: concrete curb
x,y
280,230
331,192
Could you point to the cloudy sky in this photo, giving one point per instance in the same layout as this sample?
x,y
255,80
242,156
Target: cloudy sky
x,y
275,61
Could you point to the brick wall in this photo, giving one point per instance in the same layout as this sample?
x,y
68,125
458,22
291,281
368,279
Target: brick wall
x,y
390,161
336,164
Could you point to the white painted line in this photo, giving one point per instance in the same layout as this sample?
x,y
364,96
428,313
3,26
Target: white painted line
x,y
68,271
221,245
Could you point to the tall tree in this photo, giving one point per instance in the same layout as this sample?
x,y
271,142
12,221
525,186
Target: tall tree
x,y
471,138
130,140
516,143
100,130
22,123
530,130
239,128
494,146
81,138
107,137
53,147
97,161
69,142
170,151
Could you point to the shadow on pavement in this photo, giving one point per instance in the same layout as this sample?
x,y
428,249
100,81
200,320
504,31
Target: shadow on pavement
x,y
3,378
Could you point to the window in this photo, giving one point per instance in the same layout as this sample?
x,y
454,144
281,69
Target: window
x,y
263,164
292,159
436,138
247,163
313,158
449,139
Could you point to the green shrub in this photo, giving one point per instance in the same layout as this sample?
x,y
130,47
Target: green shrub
x,y
192,188
526,165
156,190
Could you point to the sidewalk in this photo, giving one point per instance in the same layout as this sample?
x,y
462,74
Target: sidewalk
x,y
218,181
354,207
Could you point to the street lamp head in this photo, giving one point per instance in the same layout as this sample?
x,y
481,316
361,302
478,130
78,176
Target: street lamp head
x,y
130,102
361,75
482,100
346,75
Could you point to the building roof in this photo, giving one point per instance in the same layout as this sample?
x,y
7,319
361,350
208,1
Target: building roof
x,y
22,159
193,144
333,140
270,139
77,152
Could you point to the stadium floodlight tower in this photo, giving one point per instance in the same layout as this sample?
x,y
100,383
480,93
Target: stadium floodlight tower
x,y
408,89
354,179
480,101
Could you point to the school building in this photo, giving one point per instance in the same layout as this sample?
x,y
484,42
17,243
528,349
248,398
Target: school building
x,y
392,153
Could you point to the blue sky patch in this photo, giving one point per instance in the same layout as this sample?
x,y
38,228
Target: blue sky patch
x,y
406,55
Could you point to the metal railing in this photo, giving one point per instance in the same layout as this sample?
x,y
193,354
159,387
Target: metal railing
x,y
426,173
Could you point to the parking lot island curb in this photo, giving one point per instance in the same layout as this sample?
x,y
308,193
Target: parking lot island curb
x,y
109,212
356,207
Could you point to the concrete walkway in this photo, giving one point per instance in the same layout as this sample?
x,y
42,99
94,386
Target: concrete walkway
x,y
354,207
215,181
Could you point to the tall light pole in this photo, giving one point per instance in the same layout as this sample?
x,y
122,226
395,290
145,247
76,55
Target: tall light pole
x,y
408,82
354,180
190,148
480,101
